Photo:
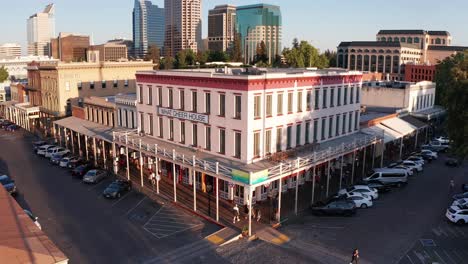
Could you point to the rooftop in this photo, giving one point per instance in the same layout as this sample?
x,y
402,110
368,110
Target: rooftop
x,y
377,44
447,48
401,31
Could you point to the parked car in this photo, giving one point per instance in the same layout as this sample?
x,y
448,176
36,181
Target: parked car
x,y
56,158
413,165
408,169
343,194
381,187
441,139
416,159
94,176
8,184
452,162
37,144
360,201
5,124
396,177
436,146
75,162
65,161
12,128
464,187
117,188
457,214
460,196
463,201
341,207
373,193
34,218
53,151
42,150
430,153
81,170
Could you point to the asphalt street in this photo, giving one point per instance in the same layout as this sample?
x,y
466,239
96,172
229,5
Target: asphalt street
x,y
395,230
89,228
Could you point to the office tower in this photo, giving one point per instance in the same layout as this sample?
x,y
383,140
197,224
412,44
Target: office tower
x,y
41,28
221,27
183,26
148,27
10,51
256,24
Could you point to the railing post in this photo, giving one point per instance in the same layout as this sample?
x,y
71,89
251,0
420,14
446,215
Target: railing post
x,y
174,174
194,185
280,191
217,192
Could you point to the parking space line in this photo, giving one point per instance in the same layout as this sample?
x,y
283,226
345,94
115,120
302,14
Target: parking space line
x,y
452,232
441,259
96,185
175,222
121,198
165,225
450,258
408,257
188,228
153,216
131,209
460,231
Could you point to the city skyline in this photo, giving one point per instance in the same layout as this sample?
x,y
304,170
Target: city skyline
x,y
322,35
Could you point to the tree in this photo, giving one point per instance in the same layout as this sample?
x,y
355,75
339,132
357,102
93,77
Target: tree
x,y
184,58
452,92
3,74
331,56
261,54
167,63
217,56
202,57
303,54
235,52
154,54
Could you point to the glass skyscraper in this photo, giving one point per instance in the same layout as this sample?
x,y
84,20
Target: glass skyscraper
x,y
257,23
148,26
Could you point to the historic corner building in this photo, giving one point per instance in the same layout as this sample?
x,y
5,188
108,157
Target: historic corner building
x,y
393,50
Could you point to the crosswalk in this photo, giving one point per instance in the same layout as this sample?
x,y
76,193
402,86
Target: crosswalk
x,y
168,221
436,255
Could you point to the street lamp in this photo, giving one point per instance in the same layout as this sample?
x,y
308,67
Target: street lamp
x,y
209,189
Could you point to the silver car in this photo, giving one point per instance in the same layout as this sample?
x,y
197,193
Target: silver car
x,y
94,176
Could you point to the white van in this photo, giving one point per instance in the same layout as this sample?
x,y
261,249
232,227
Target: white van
x,y
389,176
42,150
52,151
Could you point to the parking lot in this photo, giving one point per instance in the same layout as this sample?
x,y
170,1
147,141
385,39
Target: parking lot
x,y
88,227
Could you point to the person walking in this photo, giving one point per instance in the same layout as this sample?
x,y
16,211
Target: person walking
x,y
355,257
236,214
258,213
246,210
452,185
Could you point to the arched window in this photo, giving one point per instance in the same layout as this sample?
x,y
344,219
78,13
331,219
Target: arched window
x,y
383,39
403,39
359,50
389,51
366,50
374,51
443,41
395,39
396,51
389,39
410,40
438,41
353,50
381,51
416,40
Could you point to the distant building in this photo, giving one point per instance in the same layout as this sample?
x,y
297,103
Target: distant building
x,y
148,27
10,51
41,28
221,27
256,24
126,42
68,47
394,49
418,73
183,26
100,110
111,51
126,111
17,67
4,86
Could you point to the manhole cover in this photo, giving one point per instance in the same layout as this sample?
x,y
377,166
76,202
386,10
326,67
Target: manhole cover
x,y
427,242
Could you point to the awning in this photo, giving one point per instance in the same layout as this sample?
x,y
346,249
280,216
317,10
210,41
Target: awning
x,y
379,130
87,128
414,121
430,114
399,126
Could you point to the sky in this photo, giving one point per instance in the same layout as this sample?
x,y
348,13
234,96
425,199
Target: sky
x,y
325,23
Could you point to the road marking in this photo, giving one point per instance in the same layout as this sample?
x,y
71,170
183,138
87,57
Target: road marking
x,y
441,259
451,231
460,231
450,258
96,185
408,257
442,231
436,232
131,209
121,198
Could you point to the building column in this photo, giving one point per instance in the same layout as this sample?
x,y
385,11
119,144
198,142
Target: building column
x,y
401,148
114,159
94,151
280,186
296,194
86,147
194,185
217,192
66,138
383,153
250,212
174,175
60,135
352,167
364,162
313,185
72,141
373,154
104,153
416,140
328,179
79,144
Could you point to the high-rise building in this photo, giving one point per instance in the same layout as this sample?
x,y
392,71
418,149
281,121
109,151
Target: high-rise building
x,y
183,26
111,51
10,51
221,27
256,24
41,28
148,26
69,47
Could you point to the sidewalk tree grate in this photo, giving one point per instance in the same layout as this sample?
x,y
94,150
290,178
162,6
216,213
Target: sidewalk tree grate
x,y
427,242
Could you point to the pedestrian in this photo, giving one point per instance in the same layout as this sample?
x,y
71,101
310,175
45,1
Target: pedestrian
x,y
246,209
259,214
452,184
355,257
236,214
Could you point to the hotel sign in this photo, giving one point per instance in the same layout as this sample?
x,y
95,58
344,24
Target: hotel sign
x,y
195,117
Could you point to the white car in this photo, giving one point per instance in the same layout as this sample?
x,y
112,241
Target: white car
x,y
415,166
430,153
52,151
346,194
457,214
360,201
364,189
42,150
401,166
417,159
443,140
462,202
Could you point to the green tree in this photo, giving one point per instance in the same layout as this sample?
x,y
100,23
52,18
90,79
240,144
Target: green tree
x,y
331,56
452,92
303,54
154,54
261,54
185,58
202,57
235,52
167,63
3,74
218,56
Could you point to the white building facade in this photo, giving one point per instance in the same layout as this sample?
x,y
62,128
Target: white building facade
x,y
126,111
248,117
